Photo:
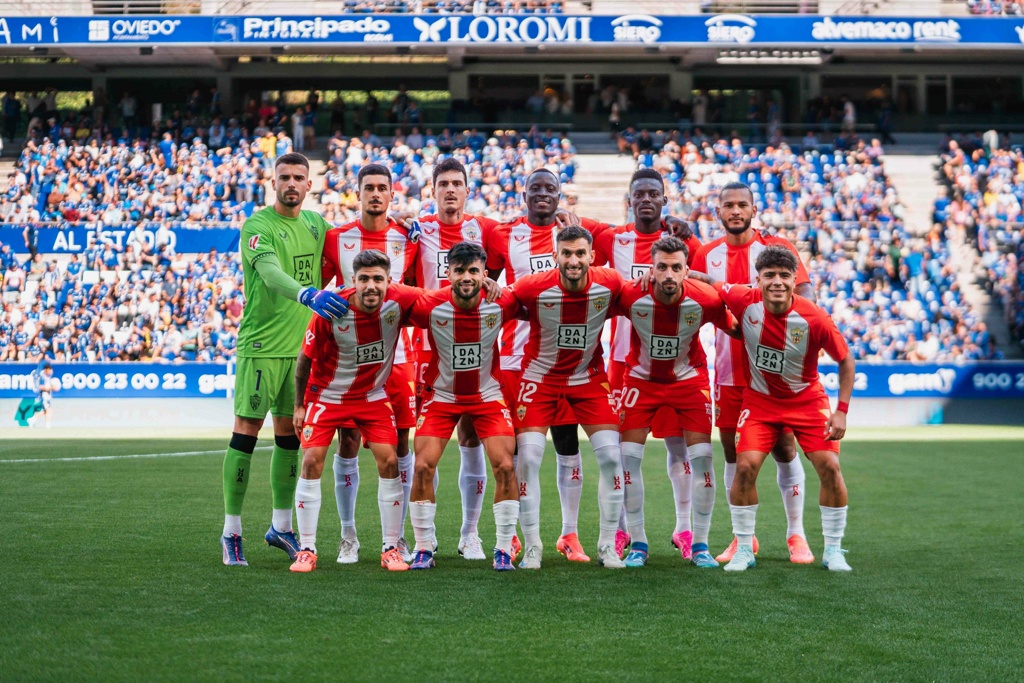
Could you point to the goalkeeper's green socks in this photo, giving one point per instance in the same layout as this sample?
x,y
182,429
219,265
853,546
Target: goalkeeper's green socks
x,y
284,477
237,461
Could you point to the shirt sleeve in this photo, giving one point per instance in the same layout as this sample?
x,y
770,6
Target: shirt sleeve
x,y
328,269
717,312
269,268
495,245
735,296
603,248
698,261
316,329
832,340
256,241
693,246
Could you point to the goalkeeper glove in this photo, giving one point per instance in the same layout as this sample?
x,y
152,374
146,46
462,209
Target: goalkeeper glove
x,y
324,303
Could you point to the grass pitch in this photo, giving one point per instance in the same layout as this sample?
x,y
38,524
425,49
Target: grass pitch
x,y
112,571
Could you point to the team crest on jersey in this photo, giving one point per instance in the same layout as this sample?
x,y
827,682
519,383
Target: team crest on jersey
x,y
420,420
691,318
254,242
307,432
600,303
797,334
491,319
396,248
254,401
390,318
521,412
472,234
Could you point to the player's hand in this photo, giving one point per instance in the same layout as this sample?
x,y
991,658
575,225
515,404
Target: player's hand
x,y
643,281
324,303
677,227
836,427
492,290
297,418
405,219
415,231
564,218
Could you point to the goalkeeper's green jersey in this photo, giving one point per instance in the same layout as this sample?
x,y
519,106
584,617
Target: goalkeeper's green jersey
x,y
273,325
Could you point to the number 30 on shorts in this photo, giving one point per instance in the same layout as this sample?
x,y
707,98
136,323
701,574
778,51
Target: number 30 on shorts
x,y
315,410
628,397
744,414
526,392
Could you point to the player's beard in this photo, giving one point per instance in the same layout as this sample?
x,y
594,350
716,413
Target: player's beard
x,y
290,199
738,231
378,298
577,275
378,210
459,291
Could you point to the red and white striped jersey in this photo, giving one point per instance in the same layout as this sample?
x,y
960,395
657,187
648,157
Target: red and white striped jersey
x,y
782,350
463,364
665,339
628,251
352,356
344,242
735,265
519,248
564,348
437,238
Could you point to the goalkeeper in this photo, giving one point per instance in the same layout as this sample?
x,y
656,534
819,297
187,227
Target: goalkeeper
x,y
281,248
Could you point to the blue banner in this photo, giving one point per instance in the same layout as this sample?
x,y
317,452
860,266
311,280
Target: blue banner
x,y
199,380
124,380
722,30
74,240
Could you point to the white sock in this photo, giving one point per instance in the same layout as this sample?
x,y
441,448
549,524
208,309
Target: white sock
x,y
406,467
833,524
679,473
506,512
232,525
282,519
435,483
633,490
346,486
531,454
743,519
389,500
307,509
472,484
623,524
609,486
570,490
730,474
422,513
791,478
703,490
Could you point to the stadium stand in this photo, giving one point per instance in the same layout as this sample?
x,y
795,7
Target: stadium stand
x,y
454,6
894,294
980,203
996,7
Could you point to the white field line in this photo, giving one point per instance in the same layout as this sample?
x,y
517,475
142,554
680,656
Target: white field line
x,y
136,456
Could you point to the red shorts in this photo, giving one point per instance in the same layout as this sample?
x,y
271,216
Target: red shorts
x,y
688,404
439,419
763,419
375,419
728,403
539,405
401,391
422,358
510,381
664,422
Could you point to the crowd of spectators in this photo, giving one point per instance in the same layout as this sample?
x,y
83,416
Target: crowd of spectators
x,y
454,6
895,295
981,205
996,7
126,308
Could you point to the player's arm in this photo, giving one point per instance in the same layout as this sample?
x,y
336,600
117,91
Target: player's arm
x,y
677,227
701,277
836,427
302,367
806,290
324,303
565,218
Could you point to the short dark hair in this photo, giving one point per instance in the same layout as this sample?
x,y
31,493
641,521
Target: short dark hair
x,y
776,256
647,173
293,159
465,253
373,169
446,165
572,233
736,185
669,245
371,258
544,169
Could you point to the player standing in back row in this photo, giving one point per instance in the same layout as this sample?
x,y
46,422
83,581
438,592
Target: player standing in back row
x,y
281,248
731,259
